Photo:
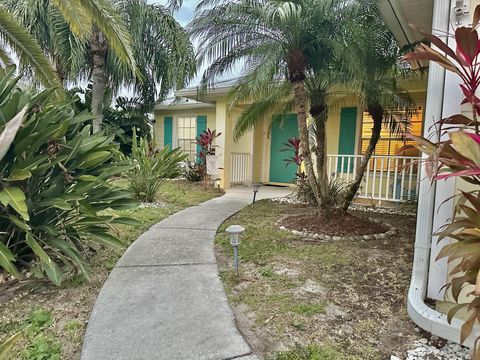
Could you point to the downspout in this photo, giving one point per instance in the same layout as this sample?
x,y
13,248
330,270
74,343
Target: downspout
x,y
425,317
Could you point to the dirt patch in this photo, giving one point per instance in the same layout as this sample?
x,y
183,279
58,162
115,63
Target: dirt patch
x,y
347,297
342,225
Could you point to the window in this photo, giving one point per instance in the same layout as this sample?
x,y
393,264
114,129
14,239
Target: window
x,y
186,133
390,142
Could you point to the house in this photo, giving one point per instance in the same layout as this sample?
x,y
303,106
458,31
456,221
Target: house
x,y
258,157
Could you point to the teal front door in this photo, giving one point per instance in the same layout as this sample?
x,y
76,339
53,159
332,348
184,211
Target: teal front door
x,y
346,144
281,132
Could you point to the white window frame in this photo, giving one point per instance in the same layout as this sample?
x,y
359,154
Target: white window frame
x,y
191,156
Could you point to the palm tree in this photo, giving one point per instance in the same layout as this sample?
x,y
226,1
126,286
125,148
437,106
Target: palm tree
x,y
64,50
275,40
161,47
324,90
63,27
374,66
16,38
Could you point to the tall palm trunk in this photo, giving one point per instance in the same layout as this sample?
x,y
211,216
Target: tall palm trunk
x,y
320,116
57,67
99,52
376,112
300,105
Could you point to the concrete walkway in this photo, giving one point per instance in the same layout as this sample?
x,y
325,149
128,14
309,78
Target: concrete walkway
x,y
164,298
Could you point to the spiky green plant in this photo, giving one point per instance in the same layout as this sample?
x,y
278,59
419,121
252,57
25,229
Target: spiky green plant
x,y
54,184
150,167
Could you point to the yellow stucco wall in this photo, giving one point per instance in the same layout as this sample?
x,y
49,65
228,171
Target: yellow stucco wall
x,y
257,141
160,115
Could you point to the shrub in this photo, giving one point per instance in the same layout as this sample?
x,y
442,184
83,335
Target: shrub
x,y
53,183
193,171
304,192
150,168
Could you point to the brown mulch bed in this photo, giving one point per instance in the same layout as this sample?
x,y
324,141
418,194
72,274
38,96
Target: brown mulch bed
x,y
338,225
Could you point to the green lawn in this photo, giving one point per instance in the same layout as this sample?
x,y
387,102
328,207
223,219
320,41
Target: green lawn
x,y
305,300
58,315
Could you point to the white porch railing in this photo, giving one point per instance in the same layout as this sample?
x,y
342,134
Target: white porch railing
x,y
241,166
387,178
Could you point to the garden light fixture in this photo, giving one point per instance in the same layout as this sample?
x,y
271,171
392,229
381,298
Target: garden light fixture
x,y
256,187
235,232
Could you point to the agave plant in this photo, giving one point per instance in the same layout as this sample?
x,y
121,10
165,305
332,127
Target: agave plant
x,y
459,156
53,183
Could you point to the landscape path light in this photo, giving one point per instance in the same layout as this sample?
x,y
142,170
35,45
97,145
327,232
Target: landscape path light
x,y
235,232
256,187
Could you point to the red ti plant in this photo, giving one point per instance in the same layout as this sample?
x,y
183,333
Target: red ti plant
x,y
205,144
297,158
459,156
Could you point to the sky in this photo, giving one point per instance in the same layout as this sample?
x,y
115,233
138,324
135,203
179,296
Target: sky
x,y
185,14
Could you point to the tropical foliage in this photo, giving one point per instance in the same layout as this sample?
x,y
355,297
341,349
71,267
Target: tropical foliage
x,y
53,184
161,48
373,62
150,168
296,55
14,36
193,171
124,43
205,147
119,119
61,27
275,40
459,156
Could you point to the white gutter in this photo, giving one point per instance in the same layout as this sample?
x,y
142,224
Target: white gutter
x,y
422,315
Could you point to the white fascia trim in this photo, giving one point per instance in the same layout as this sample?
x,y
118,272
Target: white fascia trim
x,y
425,317
193,93
191,106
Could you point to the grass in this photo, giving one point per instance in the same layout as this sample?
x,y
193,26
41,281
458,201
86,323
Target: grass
x,y
313,352
355,293
65,310
309,309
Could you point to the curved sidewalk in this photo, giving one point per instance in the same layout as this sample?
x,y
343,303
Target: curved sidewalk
x,y
164,299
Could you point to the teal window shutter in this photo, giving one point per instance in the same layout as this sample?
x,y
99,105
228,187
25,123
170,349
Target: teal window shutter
x,y
201,127
168,129
348,130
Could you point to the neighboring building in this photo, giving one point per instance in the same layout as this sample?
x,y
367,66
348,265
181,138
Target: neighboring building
x,y
257,156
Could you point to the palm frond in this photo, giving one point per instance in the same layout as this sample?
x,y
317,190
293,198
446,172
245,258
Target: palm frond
x,y
15,36
76,16
5,58
107,19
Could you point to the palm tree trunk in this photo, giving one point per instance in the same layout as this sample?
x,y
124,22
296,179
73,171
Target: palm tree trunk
x,y
300,105
376,111
99,52
321,139
57,67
